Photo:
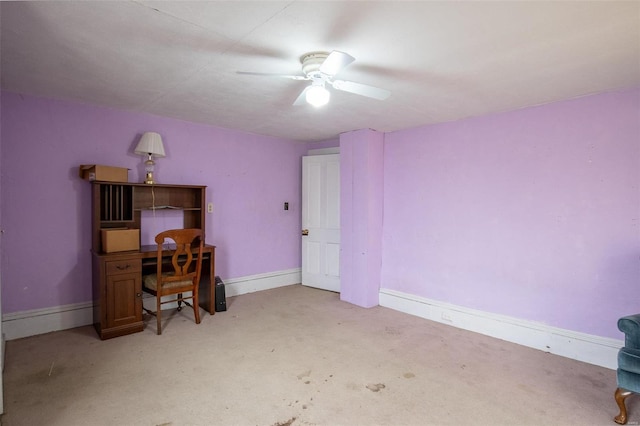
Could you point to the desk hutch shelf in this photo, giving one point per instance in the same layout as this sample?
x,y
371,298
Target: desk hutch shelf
x,y
120,205
117,277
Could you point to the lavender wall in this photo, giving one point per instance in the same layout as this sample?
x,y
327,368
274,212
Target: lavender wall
x,y
361,206
531,214
45,206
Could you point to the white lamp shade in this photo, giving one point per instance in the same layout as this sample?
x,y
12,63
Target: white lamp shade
x,y
150,144
317,95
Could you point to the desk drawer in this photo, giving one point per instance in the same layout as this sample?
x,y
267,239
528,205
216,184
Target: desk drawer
x,y
123,266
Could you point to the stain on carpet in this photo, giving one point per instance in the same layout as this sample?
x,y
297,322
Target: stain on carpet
x,y
393,331
377,387
593,382
303,375
286,422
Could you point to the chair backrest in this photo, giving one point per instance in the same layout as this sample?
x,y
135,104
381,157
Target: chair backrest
x,y
185,266
630,326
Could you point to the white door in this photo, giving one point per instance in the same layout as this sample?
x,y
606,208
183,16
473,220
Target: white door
x,y
321,221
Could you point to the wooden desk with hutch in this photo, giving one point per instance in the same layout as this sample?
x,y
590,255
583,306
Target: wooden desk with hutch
x,y
117,277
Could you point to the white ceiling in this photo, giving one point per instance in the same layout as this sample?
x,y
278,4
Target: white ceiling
x,y
442,61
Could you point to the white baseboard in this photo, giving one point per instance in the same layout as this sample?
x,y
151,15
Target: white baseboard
x,y
38,321
4,347
253,283
243,285
588,348
584,347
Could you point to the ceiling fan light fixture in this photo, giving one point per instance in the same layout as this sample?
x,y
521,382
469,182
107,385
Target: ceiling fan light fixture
x,y
317,95
320,68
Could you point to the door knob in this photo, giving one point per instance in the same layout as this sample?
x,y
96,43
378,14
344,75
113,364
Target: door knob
x,y
305,232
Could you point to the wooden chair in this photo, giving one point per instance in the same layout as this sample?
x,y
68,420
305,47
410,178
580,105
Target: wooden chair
x,y
179,276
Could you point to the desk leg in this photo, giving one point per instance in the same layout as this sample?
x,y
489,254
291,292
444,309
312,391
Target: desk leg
x,y
207,294
212,283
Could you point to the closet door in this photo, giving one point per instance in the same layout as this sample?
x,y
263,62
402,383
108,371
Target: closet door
x,y
321,221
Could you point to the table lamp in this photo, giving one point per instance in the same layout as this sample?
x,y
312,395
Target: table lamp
x,y
150,145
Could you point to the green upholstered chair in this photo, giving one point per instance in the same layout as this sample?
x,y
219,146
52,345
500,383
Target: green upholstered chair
x,y
628,372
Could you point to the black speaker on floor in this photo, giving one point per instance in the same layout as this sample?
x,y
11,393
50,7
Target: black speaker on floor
x,y
221,298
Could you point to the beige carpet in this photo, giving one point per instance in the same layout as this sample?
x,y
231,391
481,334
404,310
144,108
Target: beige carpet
x,y
299,356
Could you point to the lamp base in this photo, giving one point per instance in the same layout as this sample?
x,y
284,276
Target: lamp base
x,y
148,179
148,168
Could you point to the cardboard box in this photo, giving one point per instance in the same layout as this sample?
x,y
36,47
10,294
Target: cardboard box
x,y
120,240
103,173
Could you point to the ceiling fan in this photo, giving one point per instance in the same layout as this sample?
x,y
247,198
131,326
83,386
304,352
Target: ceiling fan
x,y
320,68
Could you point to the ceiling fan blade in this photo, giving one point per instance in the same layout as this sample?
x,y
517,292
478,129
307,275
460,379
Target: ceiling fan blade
x,y
335,62
268,74
302,98
361,89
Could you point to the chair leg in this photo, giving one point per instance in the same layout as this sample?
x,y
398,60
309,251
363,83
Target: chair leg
x,y
621,395
179,302
158,312
196,305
